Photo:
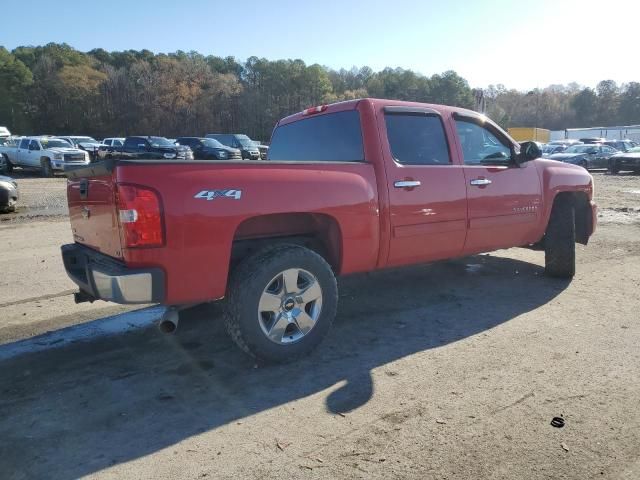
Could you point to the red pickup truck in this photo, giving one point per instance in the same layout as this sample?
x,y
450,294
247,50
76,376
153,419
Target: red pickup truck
x,y
350,187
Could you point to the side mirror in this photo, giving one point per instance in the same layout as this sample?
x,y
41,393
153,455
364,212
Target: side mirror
x,y
529,151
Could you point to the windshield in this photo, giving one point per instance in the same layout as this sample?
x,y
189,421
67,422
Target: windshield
x,y
160,142
54,143
549,148
77,140
245,141
634,150
212,143
581,149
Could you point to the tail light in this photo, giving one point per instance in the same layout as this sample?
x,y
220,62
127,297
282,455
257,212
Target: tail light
x,y
140,216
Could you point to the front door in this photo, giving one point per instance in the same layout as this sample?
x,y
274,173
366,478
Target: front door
x,y
33,157
427,197
504,199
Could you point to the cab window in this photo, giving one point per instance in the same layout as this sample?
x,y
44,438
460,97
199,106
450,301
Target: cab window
x,y
480,146
417,139
132,142
334,137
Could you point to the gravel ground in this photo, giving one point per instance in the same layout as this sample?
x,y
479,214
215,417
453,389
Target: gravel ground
x,y
449,370
39,198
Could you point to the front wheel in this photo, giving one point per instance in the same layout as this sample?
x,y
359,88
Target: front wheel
x,y
281,303
560,241
45,168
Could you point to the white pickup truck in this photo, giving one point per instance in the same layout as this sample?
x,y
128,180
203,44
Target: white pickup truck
x,y
46,154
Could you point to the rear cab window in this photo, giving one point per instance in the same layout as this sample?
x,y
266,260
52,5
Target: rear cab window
x,y
331,137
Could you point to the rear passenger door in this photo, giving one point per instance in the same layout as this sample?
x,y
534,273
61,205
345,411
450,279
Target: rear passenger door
x,y
427,196
504,198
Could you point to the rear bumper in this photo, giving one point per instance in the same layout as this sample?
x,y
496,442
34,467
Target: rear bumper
x,y
104,278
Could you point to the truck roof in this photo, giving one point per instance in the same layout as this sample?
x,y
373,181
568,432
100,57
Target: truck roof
x,y
375,102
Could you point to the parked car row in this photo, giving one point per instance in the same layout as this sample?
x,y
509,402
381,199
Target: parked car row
x,y
595,153
139,148
49,154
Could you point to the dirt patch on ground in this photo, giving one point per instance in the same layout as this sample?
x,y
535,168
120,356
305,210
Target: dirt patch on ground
x,y
450,370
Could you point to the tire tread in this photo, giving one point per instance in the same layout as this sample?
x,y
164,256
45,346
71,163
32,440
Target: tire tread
x,y
560,256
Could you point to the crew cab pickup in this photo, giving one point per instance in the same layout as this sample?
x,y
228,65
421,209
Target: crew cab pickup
x,y
349,187
46,154
145,148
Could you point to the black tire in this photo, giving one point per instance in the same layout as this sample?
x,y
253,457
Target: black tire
x,y
8,166
247,283
560,241
45,168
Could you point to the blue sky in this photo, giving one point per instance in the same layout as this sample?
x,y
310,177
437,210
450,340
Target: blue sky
x,y
522,44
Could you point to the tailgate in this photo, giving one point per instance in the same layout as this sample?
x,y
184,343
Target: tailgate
x,y
92,211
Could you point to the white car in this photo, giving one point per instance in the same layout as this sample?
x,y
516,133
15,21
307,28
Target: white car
x,y
48,154
113,141
4,133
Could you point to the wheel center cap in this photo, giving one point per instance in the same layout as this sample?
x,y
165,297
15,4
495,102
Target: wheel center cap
x,y
288,304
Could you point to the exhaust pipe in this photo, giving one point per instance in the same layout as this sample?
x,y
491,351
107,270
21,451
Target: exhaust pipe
x,y
169,321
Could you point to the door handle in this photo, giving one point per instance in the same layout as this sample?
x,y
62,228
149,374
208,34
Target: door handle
x,y
407,183
480,182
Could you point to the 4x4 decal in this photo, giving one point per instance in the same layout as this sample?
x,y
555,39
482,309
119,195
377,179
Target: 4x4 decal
x,y
213,194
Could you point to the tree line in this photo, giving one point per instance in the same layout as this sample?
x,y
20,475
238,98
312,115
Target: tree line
x,y
56,89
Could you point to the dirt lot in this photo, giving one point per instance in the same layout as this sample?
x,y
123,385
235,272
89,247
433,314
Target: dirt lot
x,y
450,370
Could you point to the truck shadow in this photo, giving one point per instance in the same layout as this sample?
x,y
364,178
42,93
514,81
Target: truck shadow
x,y
85,407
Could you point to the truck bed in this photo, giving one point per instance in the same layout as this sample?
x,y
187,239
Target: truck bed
x,y
200,228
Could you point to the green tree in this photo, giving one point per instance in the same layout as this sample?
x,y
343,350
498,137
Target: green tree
x,y
451,89
585,104
629,109
15,78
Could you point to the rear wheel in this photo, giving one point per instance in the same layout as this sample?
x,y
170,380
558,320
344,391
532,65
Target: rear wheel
x,y
281,303
8,166
560,241
45,168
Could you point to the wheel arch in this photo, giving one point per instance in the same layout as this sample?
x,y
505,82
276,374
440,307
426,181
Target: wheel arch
x,y
317,231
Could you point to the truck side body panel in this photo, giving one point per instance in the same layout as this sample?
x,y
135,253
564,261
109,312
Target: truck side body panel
x,y
200,232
